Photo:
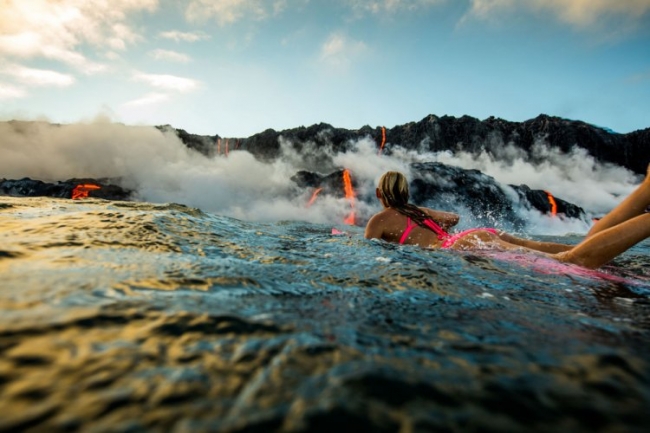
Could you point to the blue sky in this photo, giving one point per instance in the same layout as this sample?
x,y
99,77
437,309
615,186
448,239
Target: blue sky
x,y
238,67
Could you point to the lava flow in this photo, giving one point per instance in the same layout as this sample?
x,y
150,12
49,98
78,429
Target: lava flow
x,y
349,194
552,202
313,196
383,140
82,190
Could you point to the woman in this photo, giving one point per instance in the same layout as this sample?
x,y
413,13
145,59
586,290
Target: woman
x,y
401,222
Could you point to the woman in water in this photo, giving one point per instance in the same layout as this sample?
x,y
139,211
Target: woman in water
x,y
401,222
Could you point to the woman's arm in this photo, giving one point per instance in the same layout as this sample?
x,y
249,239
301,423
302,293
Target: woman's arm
x,y
445,220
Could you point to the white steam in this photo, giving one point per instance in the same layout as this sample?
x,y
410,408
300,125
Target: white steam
x,y
575,177
160,168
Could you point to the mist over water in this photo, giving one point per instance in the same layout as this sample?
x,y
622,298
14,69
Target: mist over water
x,y
160,168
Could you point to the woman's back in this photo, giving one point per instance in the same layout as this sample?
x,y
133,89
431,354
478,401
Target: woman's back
x,y
391,226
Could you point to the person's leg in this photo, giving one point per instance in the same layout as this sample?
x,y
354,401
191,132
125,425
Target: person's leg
x,y
482,239
545,247
603,246
633,205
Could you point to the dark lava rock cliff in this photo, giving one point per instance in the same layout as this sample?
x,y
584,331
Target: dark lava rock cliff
x,y
447,133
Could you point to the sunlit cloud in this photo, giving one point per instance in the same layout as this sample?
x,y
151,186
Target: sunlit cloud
x,y
170,56
580,13
167,82
390,6
8,91
178,36
59,30
37,77
231,11
149,99
339,51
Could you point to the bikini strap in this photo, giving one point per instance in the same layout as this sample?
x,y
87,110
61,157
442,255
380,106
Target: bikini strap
x,y
437,229
407,230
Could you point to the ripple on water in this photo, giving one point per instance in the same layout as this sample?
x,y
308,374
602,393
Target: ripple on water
x,y
133,316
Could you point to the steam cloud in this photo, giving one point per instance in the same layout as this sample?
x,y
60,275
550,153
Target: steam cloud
x,y
160,168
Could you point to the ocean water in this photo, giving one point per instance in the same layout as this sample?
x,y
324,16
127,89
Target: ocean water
x,y
125,316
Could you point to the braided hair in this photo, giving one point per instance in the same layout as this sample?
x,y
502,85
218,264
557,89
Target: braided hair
x,y
394,189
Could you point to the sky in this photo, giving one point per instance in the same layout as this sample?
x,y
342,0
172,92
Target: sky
x,y
238,67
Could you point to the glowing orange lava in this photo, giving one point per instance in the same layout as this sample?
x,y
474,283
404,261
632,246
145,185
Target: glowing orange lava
x,y
349,194
81,190
313,196
551,200
383,140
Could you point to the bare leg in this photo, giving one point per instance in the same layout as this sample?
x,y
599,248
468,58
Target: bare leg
x,y
545,247
504,241
603,246
633,205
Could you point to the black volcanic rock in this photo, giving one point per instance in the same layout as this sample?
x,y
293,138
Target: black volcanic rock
x,y
201,143
452,188
465,133
331,183
35,188
323,137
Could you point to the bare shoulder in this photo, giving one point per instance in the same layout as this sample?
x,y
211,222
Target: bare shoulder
x,y
376,224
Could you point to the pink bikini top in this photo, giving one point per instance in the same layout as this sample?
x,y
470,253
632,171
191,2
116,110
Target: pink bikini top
x,y
447,239
410,225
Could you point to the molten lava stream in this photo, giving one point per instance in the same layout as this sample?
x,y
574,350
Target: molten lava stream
x,y
349,194
552,202
313,196
383,140
82,190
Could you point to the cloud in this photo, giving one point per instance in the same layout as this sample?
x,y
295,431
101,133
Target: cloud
x,y
178,36
638,78
149,99
580,13
167,82
171,56
339,50
390,6
37,77
231,11
8,91
59,30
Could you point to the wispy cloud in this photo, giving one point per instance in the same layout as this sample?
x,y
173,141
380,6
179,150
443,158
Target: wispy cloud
x,y
390,6
178,36
170,56
641,77
580,13
7,91
339,50
231,11
37,77
167,82
58,30
149,99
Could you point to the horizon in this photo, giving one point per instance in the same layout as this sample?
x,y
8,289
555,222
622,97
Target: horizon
x,y
218,67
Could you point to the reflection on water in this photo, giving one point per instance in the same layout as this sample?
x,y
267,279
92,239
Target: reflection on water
x,y
133,316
